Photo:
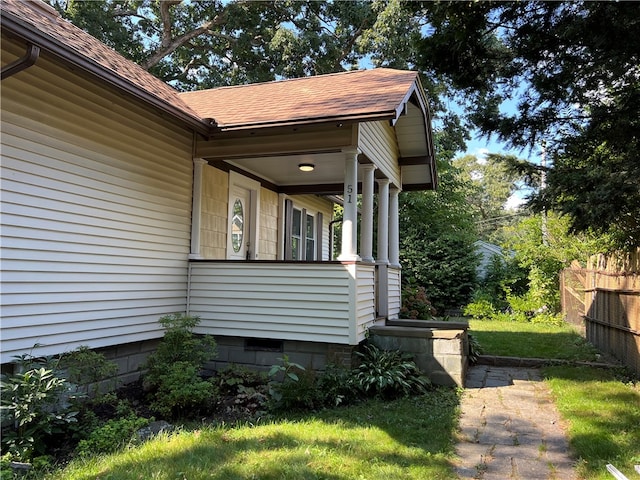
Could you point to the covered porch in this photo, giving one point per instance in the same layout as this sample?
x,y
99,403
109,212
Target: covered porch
x,y
358,139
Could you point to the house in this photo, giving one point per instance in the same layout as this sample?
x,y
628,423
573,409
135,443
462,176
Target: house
x,y
124,200
487,253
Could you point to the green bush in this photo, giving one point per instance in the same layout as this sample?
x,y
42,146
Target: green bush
x,y
480,309
34,407
237,379
86,368
182,393
292,387
336,386
415,304
172,376
388,374
113,434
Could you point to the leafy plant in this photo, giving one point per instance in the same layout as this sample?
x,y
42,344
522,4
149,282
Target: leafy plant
x,y
34,407
295,390
475,349
480,309
173,377
237,379
415,303
112,435
181,392
336,386
86,368
388,373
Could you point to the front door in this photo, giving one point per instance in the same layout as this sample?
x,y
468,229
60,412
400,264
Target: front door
x,y
240,223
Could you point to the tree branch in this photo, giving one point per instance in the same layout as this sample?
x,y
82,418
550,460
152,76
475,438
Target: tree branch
x,y
168,44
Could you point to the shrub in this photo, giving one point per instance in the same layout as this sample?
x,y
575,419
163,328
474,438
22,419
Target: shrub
x,y
336,386
181,392
415,304
388,374
34,407
173,369
297,388
86,368
236,379
480,309
113,434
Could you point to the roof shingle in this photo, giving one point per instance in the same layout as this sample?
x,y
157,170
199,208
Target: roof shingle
x,y
360,93
42,18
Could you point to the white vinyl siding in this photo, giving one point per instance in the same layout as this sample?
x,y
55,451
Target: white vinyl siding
x,y
395,292
366,302
96,210
307,302
377,140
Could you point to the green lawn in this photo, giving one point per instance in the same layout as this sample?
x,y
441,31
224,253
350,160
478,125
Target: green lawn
x,y
409,438
531,340
603,417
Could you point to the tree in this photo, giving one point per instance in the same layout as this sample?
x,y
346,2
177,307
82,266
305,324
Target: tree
x,y
571,70
492,184
437,235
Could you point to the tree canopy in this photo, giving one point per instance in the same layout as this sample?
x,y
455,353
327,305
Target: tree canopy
x,y
566,72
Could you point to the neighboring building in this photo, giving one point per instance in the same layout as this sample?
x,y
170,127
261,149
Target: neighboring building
x,y
486,253
123,200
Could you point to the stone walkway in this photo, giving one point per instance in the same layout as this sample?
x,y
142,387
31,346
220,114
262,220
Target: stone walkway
x,y
510,428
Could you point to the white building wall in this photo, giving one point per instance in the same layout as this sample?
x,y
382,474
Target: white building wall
x,y
377,140
288,301
96,211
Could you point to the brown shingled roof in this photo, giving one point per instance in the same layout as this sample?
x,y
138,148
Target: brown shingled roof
x,y
362,94
45,27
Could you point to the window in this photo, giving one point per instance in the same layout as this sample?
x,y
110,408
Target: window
x,y
296,235
303,234
310,240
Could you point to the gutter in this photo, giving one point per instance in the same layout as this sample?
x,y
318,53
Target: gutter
x,y
29,59
41,41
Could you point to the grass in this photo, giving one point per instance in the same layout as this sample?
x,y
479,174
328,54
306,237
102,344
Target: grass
x,y
409,438
531,340
603,417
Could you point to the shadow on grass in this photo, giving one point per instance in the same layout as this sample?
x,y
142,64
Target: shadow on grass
x,y
407,438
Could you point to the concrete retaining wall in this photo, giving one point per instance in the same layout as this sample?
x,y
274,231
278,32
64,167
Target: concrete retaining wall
x,y
440,352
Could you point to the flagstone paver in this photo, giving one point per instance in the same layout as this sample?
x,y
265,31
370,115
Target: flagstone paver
x,y
510,428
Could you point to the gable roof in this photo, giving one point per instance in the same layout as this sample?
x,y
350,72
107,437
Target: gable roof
x,y
361,95
40,24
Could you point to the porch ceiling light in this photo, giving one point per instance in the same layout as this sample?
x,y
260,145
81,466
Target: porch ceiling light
x,y
306,167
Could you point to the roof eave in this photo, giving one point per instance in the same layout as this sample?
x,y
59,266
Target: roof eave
x,y
364,117
19,28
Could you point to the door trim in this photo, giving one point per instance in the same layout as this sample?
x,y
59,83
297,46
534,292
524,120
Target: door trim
x,y
236,179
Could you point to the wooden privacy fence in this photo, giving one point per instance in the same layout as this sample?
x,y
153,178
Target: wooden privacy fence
x,y
603,299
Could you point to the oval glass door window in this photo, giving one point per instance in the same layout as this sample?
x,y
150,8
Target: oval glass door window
x,y
237,225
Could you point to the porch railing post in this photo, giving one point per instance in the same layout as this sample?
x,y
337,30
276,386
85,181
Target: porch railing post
x,y
383,247
350,216
383,221
366,242
394,228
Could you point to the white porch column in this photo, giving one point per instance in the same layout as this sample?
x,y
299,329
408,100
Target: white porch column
x,y
196,207
394,228
383,221
382,263
349,250
366,239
